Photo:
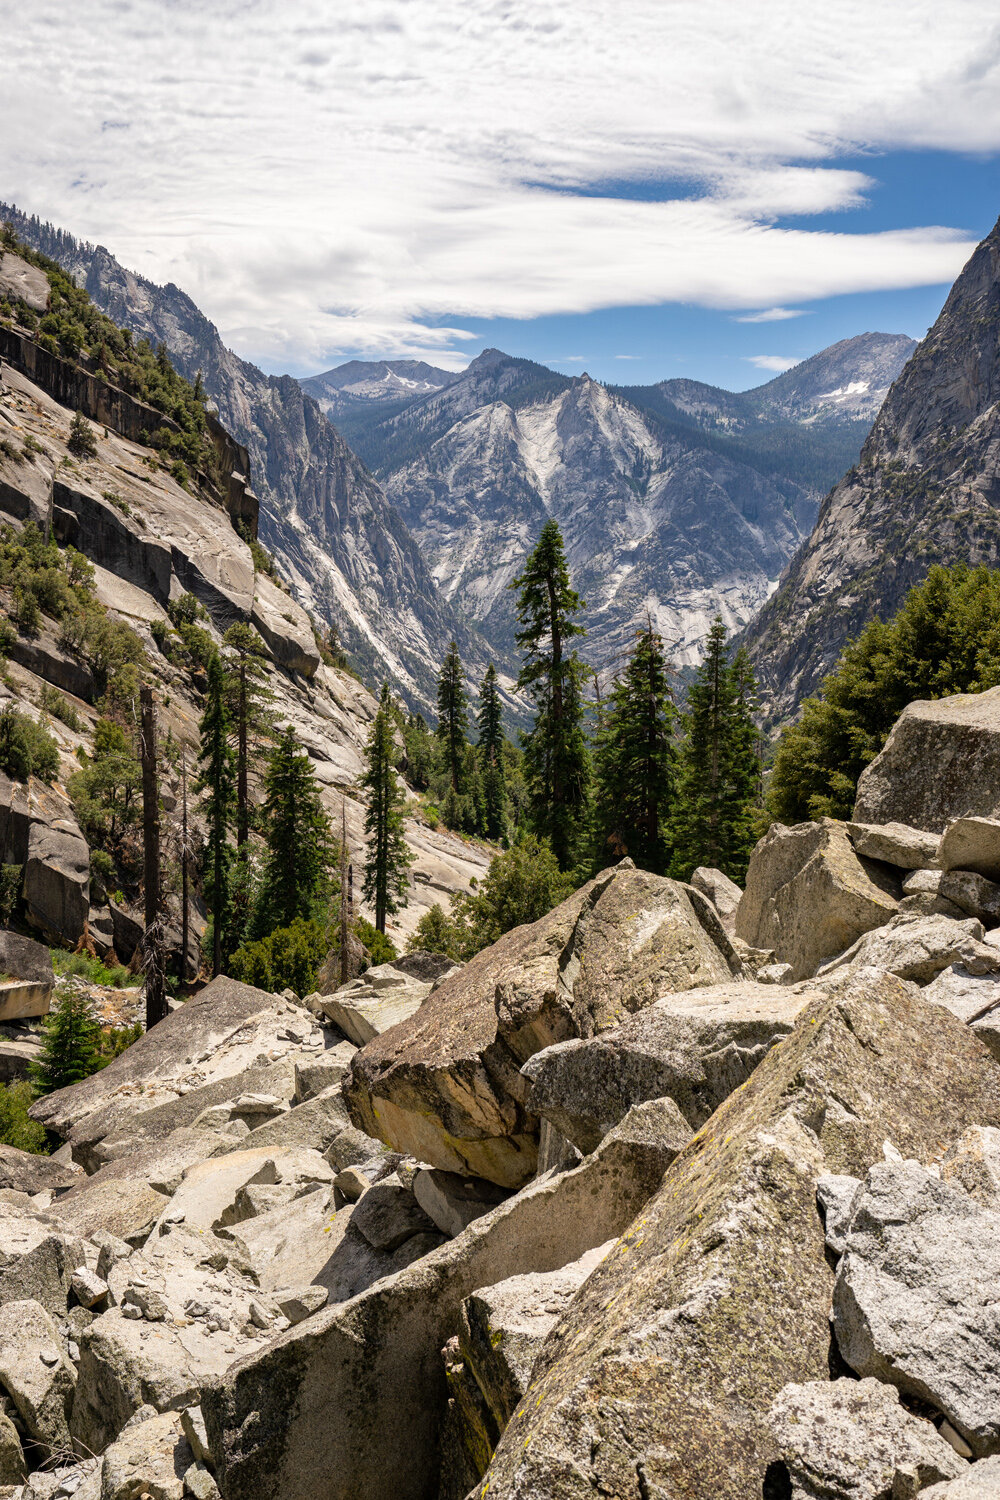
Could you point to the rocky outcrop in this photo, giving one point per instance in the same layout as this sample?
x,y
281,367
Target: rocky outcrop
x,y
341,543
809,895
923,492
365,1379
913,1300
658,1330
693,1048
941,762
445,1086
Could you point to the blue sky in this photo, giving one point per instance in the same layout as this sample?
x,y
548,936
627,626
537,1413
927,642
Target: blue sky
x,y
640,345
572,180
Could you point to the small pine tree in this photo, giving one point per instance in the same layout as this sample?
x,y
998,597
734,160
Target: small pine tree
x,y
295,884
216,781
388,860
81,442
719,771
634,764
491,740
557,764
247,700
453,716
71,1046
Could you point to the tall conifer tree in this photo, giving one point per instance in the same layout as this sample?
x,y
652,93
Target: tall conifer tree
x,y
635,760
556,759
388,858
719,769
490,747
296,878
217,782
453,715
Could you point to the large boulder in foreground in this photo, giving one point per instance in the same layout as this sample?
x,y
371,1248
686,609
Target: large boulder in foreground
x,y
694,1048
444,1086
941,761
852,1440
809,895
915,1298
661,1376
349,1406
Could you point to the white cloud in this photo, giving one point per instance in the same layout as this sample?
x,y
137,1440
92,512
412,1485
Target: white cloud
x,y
770,315
774,362
630,356
353,177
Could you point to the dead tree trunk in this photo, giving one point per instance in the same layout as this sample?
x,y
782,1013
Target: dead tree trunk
x,y
152,941
345,957
185,913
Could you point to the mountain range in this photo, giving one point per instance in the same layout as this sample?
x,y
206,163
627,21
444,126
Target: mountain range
x,y
342,546
677,501
925,490
400,498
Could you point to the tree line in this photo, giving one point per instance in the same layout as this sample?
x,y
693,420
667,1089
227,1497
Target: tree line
x,y
594,780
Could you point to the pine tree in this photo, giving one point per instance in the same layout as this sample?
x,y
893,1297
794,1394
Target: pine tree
x,y
453,717
556,759
635,760
490,747
719,769
386,881
301,852
247,700
216,781
70,1047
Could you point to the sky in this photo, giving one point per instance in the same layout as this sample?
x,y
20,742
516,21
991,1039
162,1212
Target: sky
x,y
636,188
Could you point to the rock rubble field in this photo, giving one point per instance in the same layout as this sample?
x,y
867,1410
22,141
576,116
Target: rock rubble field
x,y
681,1192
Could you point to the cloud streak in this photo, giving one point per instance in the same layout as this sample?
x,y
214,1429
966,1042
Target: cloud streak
x,y
366,176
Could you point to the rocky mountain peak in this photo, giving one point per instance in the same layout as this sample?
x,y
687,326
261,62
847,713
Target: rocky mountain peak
x,y
926,489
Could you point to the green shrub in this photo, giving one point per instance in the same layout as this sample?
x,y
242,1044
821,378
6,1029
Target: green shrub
x,y
380,948
8,637
32,445
25,611
436,933
16,1126
944,639
70,1046
81,441
10,891
26,748
8,450
53,702
288,958
93,970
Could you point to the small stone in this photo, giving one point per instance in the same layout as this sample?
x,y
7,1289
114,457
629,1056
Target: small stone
x,y
88,1288
956,1440
352,1182
298,1303
199,1483
259,1315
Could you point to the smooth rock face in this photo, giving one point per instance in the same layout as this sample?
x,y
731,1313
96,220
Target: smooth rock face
x,y
23,958
36,1373
28,1173
723,893
438,1087
851,1440
655,1335
388,1214
972,844
57,882
444,1086
980,1482
452,1202
809,896
974,998
693,1048
918,948
503,1328
915,1297
350,1405
895,844
940,763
